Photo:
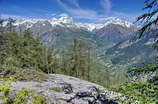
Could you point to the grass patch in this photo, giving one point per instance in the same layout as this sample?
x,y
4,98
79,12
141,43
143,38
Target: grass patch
x,y
29,75
57,89
22,96
9,79
39,100
4,91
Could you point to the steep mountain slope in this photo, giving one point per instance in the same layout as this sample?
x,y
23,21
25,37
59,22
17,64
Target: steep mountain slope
x,y
115,41
119,35
56,31
134,50
115,30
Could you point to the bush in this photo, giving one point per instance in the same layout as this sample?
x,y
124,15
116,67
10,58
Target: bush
x,y
39,100
145,93
5,89
148,68
23,96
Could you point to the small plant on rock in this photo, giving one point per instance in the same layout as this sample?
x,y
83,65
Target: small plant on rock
x,y
23,96
39,100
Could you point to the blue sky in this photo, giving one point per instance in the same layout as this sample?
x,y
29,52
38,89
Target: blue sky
x,y
81,10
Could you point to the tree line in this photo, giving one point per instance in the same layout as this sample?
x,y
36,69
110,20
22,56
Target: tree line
x,y
23,51
19,52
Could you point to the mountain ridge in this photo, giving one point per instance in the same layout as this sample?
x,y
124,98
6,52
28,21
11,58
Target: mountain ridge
x,y
70,22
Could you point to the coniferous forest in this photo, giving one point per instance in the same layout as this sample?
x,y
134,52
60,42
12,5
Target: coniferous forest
x,y
25,56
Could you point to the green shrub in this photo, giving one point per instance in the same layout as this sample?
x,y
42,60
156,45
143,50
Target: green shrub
x,y
145,93
30,74
39,100
22,96
148,68
5,89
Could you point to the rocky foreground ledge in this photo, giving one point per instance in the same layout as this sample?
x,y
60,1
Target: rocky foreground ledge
x,y
61,89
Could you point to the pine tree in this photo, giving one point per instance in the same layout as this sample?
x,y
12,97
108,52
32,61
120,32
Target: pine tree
x,y
2,28
89,61
149,18
10,25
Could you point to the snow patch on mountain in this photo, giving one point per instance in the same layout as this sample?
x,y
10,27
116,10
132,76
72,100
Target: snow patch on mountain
x,y
61,21
150,41
114,20
125,44
67,21
90,27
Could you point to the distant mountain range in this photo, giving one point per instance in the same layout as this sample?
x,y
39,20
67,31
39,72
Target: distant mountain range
x,y
50,30
115,40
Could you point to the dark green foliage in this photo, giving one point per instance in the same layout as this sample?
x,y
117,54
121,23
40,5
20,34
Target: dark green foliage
x,y
145,93
10,27
154,80
76,60
144,69
21,53
149,18
79,61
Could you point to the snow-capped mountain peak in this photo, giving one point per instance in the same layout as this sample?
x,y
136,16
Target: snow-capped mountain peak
x,y
28,22
66,21
114,20
110,20
91,27
60,21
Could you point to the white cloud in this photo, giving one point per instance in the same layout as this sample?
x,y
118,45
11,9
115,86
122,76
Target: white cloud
x,y
74,2
106,4
73,9
53,14
91,15
78,12
5,16
63,15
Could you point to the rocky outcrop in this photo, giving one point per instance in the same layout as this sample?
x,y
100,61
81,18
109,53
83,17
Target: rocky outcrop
x,y
61,89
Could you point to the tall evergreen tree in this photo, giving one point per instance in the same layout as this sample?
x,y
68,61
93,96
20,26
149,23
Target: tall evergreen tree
x,y
10,25
150,18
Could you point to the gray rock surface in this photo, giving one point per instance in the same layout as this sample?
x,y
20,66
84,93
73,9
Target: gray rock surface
x,y
63,89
